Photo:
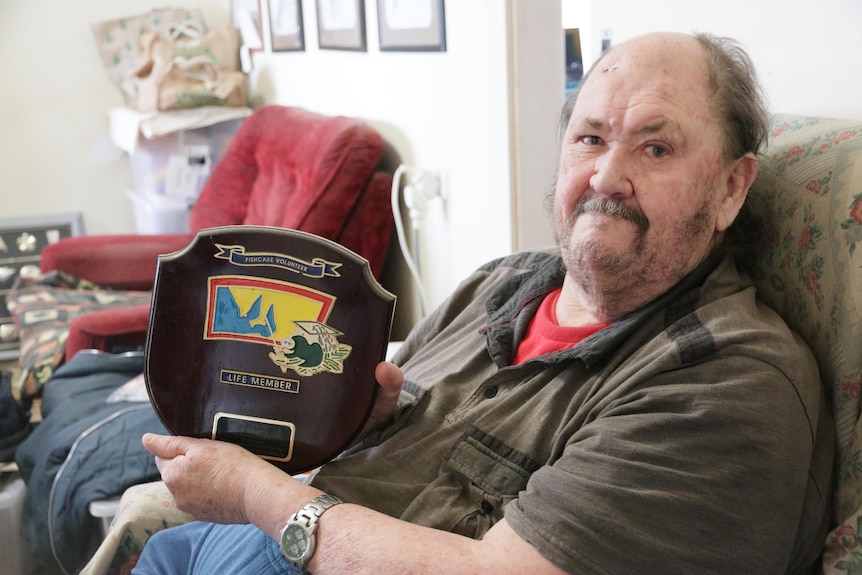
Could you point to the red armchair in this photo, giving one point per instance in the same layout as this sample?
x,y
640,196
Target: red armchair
x,y
286,167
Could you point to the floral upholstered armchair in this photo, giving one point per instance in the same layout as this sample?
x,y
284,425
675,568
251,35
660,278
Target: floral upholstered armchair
x,y
810,271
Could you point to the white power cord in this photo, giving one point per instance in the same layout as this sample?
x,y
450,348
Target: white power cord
x,y
419,189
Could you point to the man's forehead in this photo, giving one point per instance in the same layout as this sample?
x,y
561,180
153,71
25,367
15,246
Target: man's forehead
x,y
659,85
657,56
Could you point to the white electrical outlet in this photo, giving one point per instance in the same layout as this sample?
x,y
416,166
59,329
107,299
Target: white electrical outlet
x,y
426,182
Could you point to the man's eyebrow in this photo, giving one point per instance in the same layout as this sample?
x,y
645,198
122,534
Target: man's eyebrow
x,y
658,126
662,125
655,127
650,128
593,124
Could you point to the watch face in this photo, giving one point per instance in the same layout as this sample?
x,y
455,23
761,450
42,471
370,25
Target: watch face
x,y
295,542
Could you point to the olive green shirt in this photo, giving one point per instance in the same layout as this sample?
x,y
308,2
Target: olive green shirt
x,y
688,437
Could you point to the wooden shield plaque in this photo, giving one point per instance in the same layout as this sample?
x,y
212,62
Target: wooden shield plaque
x,y
267,338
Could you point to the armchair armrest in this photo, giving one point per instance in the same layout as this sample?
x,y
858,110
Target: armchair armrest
x,y
118,261
109,330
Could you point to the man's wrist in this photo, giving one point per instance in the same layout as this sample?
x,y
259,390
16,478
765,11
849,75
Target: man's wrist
x,y
298,537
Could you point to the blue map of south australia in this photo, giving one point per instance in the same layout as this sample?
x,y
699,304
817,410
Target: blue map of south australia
x,y
230,319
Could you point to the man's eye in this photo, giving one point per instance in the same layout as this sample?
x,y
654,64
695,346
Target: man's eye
x,y
591,140
657,151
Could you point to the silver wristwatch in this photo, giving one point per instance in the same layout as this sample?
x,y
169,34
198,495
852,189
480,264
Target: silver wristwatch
x,y
297,536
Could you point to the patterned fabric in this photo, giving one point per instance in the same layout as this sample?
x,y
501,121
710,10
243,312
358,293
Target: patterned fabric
x,y
144,509
811,273
42,308
118,41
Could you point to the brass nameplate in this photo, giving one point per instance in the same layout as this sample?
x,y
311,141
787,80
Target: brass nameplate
x,y
266,438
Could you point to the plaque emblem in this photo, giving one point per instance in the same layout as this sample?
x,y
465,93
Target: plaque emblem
x,y
288,318
312,348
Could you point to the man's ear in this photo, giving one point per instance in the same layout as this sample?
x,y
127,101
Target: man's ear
x,y
742,173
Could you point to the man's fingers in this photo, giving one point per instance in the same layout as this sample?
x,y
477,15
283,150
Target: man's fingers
x,y
389,377
164,446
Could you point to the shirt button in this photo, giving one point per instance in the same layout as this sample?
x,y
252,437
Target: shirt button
x,y
486,506
490,391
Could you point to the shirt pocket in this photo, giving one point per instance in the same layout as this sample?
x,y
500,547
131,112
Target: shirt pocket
x,y
479,477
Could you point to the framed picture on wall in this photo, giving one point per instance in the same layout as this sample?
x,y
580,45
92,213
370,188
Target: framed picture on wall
x,y
285,25
341,24
411,25
245,17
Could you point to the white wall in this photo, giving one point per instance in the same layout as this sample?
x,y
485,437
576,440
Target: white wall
x,y
808,53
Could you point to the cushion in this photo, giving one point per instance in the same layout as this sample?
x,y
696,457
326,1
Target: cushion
x,y
292,168
143,510
810,271
42,308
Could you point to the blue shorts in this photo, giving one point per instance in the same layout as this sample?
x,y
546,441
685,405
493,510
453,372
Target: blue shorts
x,y
207,548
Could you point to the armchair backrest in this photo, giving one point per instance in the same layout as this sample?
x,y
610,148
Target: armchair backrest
x,y
292,168
811,272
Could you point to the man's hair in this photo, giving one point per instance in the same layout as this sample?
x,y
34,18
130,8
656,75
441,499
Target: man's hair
x,y
736,95
737,99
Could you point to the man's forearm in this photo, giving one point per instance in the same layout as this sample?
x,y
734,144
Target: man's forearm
x,y
357,540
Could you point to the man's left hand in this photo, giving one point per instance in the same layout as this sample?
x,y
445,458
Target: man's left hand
x,y
211,480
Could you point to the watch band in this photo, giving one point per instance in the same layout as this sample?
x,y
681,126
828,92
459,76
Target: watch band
x,y
298,535
315,508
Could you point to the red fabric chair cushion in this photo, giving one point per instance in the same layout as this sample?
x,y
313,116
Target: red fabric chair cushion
x,y
125,262
292,168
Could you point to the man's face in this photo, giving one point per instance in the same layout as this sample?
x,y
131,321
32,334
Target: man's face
x,y
641,176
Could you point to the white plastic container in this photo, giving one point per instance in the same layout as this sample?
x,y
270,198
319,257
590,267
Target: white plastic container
x,y
16,557
158,214
172,155
178,164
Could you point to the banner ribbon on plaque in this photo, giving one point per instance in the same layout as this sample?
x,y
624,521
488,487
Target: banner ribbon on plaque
x,y
317,268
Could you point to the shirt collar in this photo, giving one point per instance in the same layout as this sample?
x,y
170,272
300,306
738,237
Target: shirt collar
x,y
513,305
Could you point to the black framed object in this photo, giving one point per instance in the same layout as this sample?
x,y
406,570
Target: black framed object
x,y
341,25
411,25
21,243
285,25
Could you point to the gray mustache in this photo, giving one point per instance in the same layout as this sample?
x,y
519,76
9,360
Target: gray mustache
x,y
611,207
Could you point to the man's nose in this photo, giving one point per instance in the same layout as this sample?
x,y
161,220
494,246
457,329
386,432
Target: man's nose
x,y
611,176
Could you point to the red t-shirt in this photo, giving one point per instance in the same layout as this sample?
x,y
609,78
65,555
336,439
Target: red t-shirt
x,y
545,335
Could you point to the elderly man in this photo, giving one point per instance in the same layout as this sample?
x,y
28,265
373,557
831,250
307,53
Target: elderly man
x,y
623,406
